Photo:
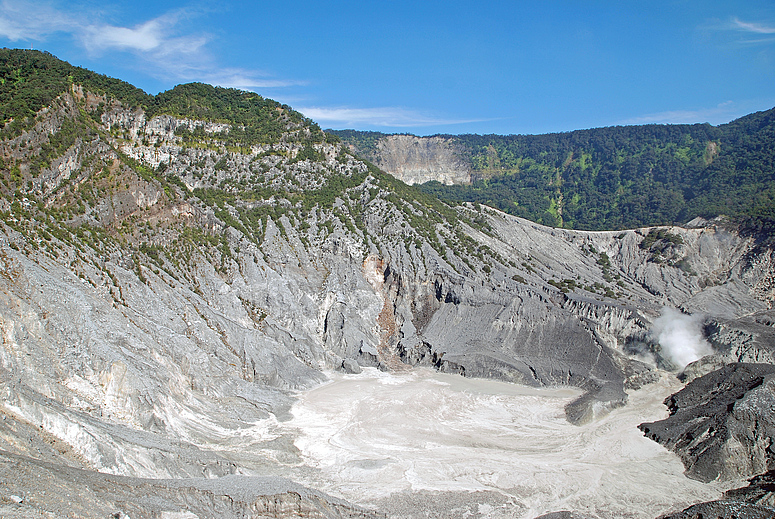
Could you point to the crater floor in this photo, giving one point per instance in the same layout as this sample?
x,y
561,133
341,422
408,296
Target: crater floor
x,y
422,442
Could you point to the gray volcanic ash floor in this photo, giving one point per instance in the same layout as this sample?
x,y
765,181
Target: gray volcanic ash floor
x,y
423,444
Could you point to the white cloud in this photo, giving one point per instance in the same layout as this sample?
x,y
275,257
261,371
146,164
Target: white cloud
x,y
721,113
384,116
160,45
156,38
752,27
246,79
735,33
144,37
22,20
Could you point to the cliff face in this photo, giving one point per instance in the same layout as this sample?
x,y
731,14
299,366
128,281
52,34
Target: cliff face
x,y
416,160
162,296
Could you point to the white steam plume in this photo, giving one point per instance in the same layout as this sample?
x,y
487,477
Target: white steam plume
x,y
680,336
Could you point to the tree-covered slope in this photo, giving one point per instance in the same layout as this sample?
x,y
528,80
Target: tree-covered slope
x,y
618,177
31,80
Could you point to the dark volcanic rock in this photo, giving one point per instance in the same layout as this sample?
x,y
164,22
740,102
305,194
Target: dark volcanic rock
x,y
722,424
756,501
760,491
723,510
562,515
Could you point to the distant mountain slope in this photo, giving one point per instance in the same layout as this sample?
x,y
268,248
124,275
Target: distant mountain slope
x,y
613,178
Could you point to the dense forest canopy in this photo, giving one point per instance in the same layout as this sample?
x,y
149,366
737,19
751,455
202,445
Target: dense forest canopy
x,y
619,177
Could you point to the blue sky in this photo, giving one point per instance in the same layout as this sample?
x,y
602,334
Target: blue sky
x,y
433,66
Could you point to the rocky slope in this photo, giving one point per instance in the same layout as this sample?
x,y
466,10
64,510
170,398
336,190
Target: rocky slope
x,y
62,491
722,423
168,280
755,501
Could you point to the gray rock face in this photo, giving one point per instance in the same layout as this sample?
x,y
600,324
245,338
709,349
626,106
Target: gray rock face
x,y
562,515
722,424
759,491
755,501
723,510
750,338
416,160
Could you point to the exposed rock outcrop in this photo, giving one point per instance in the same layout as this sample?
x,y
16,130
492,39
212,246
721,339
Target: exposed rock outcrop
x,y
755,501
416,160
724,510
750,338
565,514
722,424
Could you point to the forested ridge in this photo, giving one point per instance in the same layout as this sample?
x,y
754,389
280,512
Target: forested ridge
x,y
619,177
267,161
31,80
